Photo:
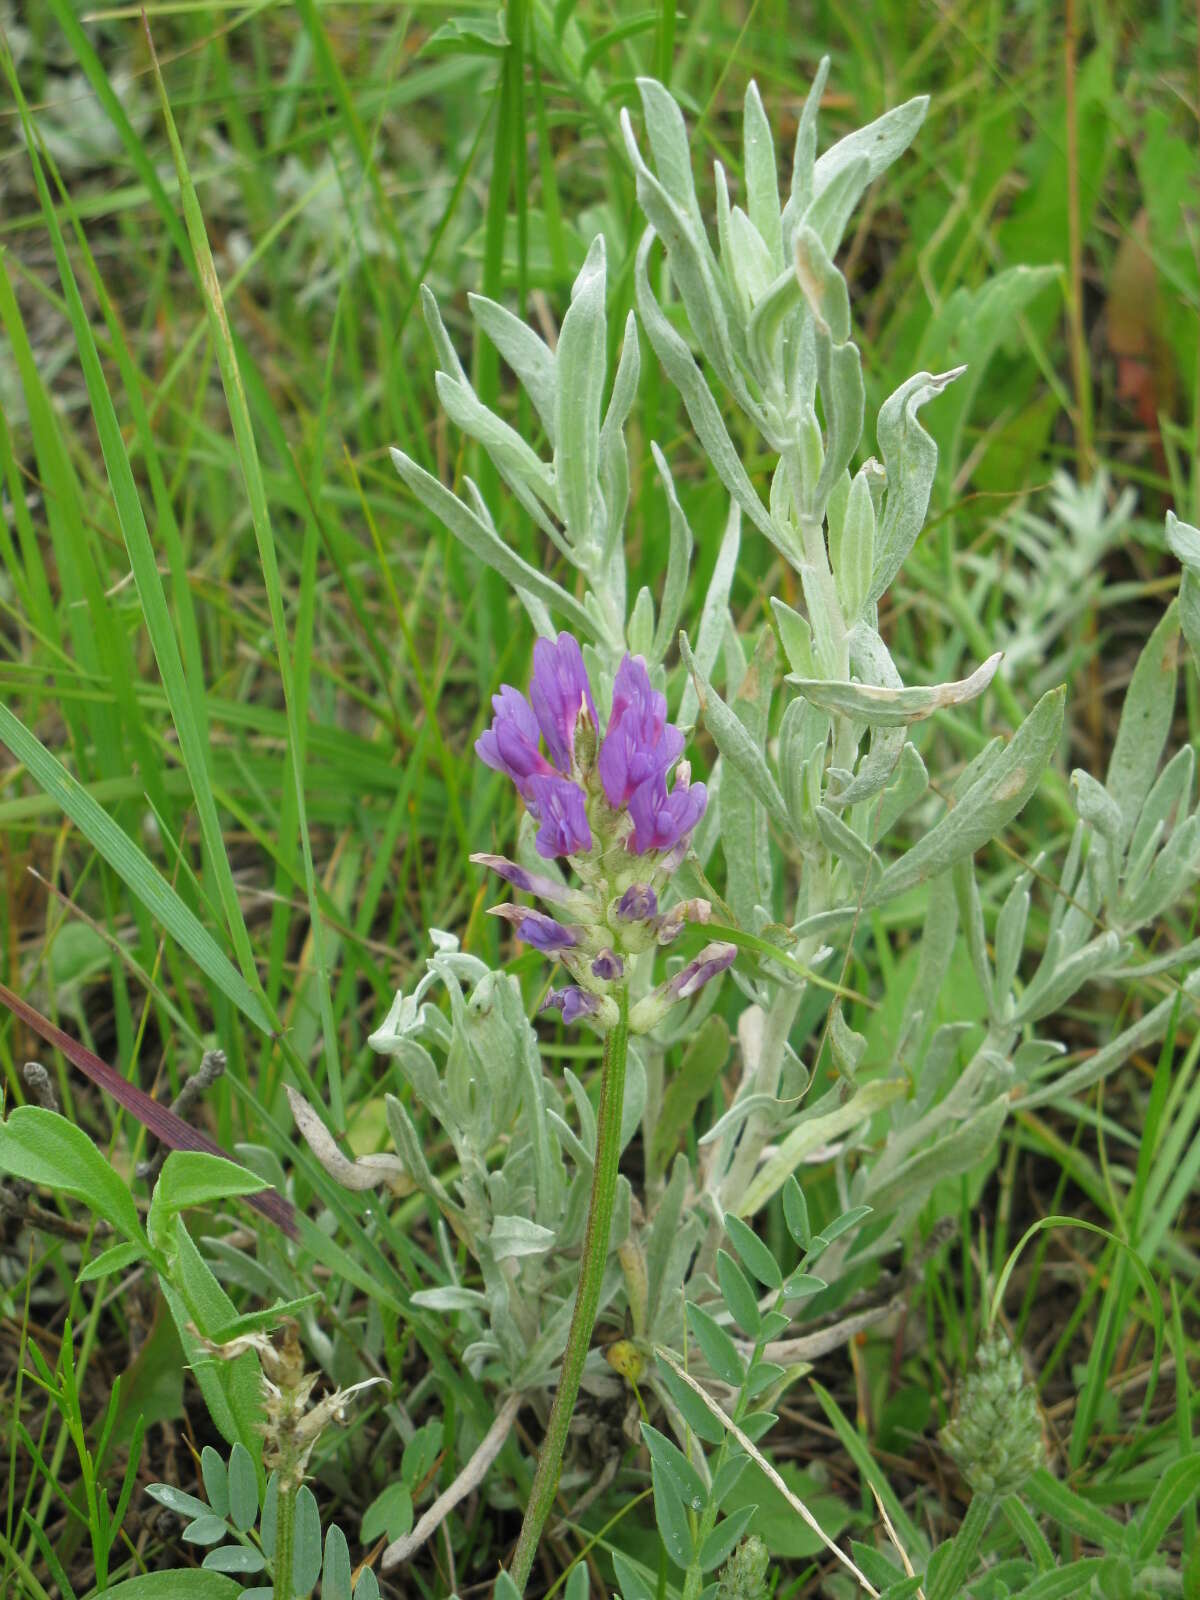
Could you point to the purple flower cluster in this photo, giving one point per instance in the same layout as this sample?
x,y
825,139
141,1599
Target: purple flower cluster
x,y
606,804
635,756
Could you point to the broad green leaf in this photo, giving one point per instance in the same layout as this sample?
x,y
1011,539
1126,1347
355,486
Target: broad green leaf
x,y
336,1571
671,1461
115,1259
671,1518
216,1481
739,1297
306,1554
720,1542
44,1148
192,1178
390,1514
716,1346
194,1584
754,1253
243,1489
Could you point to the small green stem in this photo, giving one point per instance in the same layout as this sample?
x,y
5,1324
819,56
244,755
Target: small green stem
x,y
285,1539
587,1300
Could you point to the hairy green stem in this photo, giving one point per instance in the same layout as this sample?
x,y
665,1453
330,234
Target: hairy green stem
x,y
952,1577
285,1538
587,1300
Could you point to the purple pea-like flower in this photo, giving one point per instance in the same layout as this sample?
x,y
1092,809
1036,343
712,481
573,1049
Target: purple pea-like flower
x,y
713,959
510,745
573,1003
661,820
638,904
532,882
561,808
536,928
560,693
608,966
640,743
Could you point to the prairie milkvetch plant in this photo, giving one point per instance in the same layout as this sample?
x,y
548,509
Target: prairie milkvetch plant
x,y
818,816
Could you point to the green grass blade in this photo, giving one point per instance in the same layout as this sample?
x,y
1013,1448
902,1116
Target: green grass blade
x,y
132,866
247,451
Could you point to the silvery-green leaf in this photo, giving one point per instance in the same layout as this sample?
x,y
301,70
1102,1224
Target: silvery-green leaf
x,y
939,932
1170,796
1010,934
952,1154
847,1046
1035,1053
823,285
743,819
1184,541
679,562
805,156
535,609
910,461
970,911
762,181
910,783
881,141
1145,721
640,628
779,308
583,1109
1095,805
1051,989
488,546
846,846
884,707
446,354
693,269
843,396
634,1102
580,365
803,736
810,1134
796,636
822,925
753,268
701,408
852,549
714,614
614,460
987,807
668,136
743,1107
529,357
1170,878
514,460
829,212
518,1236
732,740
450,1297
412,1154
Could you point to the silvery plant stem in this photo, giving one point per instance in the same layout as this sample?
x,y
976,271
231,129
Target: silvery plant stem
x,y
587,1300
